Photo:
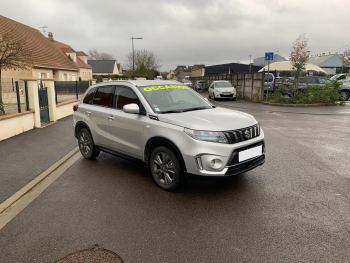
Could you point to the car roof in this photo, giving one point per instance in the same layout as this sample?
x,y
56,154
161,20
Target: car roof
x,y
141,83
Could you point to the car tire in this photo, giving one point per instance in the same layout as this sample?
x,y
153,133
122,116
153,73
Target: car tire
x,y
86,145
165,168
344,95
234,99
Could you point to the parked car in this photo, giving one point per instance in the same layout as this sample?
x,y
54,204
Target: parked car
x,y
187,83
170,128
344,91
338,77
200,85
222,89
269,82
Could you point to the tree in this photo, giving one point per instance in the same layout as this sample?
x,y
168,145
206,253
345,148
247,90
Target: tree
x,y
13,56
299,57
146,64
94,54
346,59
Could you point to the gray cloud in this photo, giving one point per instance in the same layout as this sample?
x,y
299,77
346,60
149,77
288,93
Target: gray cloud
x,y
188,32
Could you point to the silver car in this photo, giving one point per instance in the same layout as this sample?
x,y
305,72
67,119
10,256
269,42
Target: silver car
x,y
169,127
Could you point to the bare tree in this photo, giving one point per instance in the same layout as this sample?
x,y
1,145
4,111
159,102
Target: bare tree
x,y
146,63
299,57
94,54
346,58
13,56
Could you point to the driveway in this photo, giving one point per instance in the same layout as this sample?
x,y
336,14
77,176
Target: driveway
x,y
293,209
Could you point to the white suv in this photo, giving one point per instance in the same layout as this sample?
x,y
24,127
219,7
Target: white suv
x,y
169,127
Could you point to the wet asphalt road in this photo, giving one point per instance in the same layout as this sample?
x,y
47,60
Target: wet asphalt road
x,y
293,209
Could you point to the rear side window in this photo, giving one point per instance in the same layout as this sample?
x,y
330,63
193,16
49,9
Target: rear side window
x,y
126,96
89,96
104,96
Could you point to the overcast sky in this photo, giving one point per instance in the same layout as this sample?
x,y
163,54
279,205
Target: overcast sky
x,y
189,31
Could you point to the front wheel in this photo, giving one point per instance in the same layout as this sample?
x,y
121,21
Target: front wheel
x,y
165,169
86,145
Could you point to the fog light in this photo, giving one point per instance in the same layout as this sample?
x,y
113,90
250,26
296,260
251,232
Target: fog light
x,y
211,162
216,163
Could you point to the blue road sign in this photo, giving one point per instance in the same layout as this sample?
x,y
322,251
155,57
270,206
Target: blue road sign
x,y
268,56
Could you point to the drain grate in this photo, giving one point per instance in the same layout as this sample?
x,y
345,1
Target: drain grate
x,y
92,255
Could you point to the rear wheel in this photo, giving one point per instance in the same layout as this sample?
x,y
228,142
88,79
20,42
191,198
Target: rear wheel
x,y
344,95
86,145
165,168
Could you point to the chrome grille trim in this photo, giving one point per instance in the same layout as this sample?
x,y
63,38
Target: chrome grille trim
x,y
240,135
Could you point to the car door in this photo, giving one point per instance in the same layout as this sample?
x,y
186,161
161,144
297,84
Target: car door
x,y
126,129
99,112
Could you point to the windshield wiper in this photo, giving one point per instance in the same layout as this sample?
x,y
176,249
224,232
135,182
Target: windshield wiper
x,y
170,111
196,108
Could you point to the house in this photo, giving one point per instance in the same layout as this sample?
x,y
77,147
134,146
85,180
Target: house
x,y
79,59
47,61
197,70
262,62
182,72
230,68
331,63
105,67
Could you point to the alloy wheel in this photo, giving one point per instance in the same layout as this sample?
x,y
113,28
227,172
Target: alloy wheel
x,y
163,168
84,143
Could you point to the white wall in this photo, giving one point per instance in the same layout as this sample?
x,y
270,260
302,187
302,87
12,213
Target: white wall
x,y
65,110
15,124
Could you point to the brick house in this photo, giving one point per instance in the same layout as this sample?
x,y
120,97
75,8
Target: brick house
x,y
48,62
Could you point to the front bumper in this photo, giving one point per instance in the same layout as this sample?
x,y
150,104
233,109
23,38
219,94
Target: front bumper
x,y
227,95
228,153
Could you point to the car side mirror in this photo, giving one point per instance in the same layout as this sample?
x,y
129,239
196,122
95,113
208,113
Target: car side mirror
x,y
132,108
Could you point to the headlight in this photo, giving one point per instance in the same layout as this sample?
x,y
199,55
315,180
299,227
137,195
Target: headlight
x,y
208,136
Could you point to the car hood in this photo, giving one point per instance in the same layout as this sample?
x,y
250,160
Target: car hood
x,y
215,119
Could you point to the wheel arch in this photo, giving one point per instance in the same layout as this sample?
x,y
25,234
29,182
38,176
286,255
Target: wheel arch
x,y
154,142
79,125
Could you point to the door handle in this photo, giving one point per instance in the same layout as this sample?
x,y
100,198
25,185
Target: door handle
x,y
110,118
88,113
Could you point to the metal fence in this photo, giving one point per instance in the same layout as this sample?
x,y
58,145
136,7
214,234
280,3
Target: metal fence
x,y
249,86
14,96
70,90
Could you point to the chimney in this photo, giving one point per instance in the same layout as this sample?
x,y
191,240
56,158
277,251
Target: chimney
x,y
50,35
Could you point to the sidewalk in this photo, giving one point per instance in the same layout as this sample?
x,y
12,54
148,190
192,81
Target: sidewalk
x,y
25,156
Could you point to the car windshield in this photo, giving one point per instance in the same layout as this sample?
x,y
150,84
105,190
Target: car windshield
x,y
173,98
222,84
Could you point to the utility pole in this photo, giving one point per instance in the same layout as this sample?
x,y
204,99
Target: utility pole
x,y
133,55
250,63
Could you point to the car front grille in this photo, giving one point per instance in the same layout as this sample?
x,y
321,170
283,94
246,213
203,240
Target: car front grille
x,y
246,166
241,135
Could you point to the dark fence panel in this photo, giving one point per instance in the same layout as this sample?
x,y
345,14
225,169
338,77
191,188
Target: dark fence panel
x,y
69,90
14,96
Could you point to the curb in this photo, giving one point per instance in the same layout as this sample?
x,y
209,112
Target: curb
x,y
299,105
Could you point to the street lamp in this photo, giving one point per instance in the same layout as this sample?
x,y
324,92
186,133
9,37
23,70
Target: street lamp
x,y
133,55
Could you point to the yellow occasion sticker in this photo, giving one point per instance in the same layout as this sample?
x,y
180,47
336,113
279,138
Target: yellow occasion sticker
x,y
164,87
